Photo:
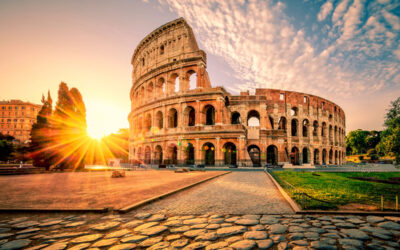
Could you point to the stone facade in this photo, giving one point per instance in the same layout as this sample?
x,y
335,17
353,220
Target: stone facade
x,y
17,118
178,117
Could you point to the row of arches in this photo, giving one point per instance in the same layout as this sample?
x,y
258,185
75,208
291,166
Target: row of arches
x,y
175,83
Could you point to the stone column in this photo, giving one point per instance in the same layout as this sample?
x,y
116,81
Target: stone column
x,y
197,152
218,157
198,114
218,115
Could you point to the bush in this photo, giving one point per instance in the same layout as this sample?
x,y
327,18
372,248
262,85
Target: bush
x,y
371,152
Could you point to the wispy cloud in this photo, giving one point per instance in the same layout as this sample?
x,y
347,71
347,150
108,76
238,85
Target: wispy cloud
x,y
326,9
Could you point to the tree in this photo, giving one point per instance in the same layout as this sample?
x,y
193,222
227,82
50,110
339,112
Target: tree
x,y
390,142
356,141
6,147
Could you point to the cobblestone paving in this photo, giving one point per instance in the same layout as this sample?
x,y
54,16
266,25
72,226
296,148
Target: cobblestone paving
x,y
208,231
234,193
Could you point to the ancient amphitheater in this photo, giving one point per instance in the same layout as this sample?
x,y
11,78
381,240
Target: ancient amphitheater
x,y
177,117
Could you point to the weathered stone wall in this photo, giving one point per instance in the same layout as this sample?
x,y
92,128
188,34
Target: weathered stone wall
x,y
181,120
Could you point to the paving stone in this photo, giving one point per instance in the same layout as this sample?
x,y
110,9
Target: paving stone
x,y
15,244
105,226
382,236
198,245
226,224
299,242
213,226
332,235
50,223
151,241
105,242
247,222
37,247
328,241
325,218
64,235
216,221
29,230
25,236
355,221
214,216
75,224
118,234
243,245
345,225
142,216
264,244
133,223
227,231
6,235
195,221
160,245
251,216
156,217
233,239
3,241
207,236
126,246
296,236
375,246
255,235
4,230
375,219
218,245
389,225
56,246
351,242
269,220
257,228
296,229
278,238
277,229
392,218
179,229
173,223
355,234
298,221
80,246
18,220
187,217
194,233
172,237
198,226
146,225
134,238
322,246
232,219
179,243
87,238
311,235
25,224
153,230
282,246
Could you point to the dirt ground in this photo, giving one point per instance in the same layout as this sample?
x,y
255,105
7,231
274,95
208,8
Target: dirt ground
x,y
90,189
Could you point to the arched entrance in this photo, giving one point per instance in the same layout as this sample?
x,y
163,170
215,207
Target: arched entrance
x,y
254,153
147,155
209,112
209,153
189,154
330,156
158,155
324,157
294,156
173,154
229,150
316,157
305,156
253,119
272,155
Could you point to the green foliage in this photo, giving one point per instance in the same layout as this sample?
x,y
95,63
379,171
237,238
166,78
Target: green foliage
x,y
390,137
6,148
357,141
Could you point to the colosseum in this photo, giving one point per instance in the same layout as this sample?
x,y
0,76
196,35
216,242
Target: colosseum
x,y
177,117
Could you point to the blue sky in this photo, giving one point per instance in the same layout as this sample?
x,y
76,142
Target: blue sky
x,y
344,50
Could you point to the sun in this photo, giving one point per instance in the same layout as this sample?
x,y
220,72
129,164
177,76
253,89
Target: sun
x,y
96,133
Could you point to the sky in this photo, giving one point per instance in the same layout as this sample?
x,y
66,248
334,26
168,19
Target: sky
x,y
347,51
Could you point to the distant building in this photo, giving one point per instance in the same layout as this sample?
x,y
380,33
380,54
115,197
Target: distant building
x,y
17,118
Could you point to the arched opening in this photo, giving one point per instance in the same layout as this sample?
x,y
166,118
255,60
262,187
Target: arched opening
x,y
189,154
294,111
324,156
236,118
282,124
294,156
330,132
209,153
305,128
335,134
142,95
140,124
158,155
253,118
147,155
162,50
306,159
294,127
147,123
190,116
192,76
150,88
316,157
159,120
209,112
173,154
272,155
254,153
336,157
229,150
315,128
172,118
323,130
330,156
226,101
174,83
160,87
271,121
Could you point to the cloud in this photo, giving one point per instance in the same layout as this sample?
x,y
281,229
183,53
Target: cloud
x,y
339,11
326,9
393,20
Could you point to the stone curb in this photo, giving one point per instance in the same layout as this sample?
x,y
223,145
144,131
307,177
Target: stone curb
x,y
142,203
288,199
55,210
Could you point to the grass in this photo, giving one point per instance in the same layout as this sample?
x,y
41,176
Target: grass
x,y
338,189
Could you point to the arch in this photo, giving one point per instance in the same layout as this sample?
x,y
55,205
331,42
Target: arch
x,y
315,128
271,121
253,118
330,132
174,83
331,156
306,155
159,120
306,123
324,157
336,157
190,116
235,119
192,77
230,153
272,155
316,156
172,118
162,49
147,123
255,155
209,112
323,130
294,111
282,123
294,156
158,155
226,101
294,127
140,124
173,154
189,154
209,153
335,133
147,155
142,95
160,86
150,89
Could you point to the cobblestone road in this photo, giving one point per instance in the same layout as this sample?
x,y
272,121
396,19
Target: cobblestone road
x,y
208,231
234,193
